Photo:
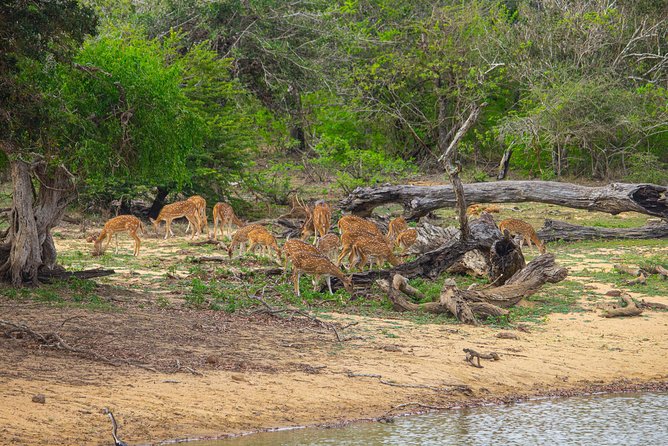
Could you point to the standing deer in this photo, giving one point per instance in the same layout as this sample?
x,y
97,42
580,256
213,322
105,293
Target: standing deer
x,y
122,223
200,205
177,210
224,216
318,221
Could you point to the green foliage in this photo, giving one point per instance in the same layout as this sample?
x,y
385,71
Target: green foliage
x,y
645,167
137,121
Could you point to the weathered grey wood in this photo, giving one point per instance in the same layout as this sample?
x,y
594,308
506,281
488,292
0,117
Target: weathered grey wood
x,y
559,230
650,199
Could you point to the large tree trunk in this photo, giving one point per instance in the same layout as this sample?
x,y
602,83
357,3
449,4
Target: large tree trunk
x,y
558,230
650,199
28,247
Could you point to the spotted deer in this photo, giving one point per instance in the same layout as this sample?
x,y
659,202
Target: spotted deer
x,y
317,265
350,236
524,229
477,209
177,210
263,238
122,223
224,216
200,205
240,238
329,246
292,247
351,222
395,227
406,239
318,221
373,249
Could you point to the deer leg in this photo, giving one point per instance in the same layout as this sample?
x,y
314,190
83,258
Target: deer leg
x,y
329,284
137,243
295,279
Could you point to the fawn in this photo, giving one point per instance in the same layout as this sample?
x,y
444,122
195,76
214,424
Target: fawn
x,y
395,227
329,245
406,239
260,236
200,205
519,227
177,210
122,223
241,237
366,247
318,265
223,215
317,221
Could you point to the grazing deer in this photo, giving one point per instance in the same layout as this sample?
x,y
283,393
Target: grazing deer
x,y
241,237
177,210
112,227
200,205
293,246
519,227
318,221
406,239
367,248
318,265
329,246
264,239
223,215
395,227
348,239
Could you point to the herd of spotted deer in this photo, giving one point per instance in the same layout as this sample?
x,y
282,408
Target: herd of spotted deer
x,y
360,239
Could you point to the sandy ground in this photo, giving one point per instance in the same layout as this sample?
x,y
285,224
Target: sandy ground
x,y
255,371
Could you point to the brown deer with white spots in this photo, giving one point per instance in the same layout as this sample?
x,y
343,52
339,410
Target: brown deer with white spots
x,y
318,265
122,223
528,233
172,211
224,217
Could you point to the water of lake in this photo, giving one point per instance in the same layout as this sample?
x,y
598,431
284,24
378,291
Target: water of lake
x,y
618,419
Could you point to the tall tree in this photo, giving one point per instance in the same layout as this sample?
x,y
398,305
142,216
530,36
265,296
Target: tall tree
x,y
34,33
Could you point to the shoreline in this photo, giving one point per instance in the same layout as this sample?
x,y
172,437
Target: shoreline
x,y
614,388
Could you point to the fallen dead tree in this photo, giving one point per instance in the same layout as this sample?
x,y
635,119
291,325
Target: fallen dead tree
x,y
418,201
629,308
468,305
558,230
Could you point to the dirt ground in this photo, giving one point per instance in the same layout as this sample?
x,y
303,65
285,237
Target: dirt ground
x,y
216,373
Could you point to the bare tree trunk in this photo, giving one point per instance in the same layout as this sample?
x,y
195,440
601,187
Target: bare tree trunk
x,y
504,165
28,246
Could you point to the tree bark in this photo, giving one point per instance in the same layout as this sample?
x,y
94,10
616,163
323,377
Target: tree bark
x,y
558,230
418,201
504,165
158,202
28,247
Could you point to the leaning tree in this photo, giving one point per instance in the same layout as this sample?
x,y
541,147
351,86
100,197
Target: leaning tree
x,y
75,116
